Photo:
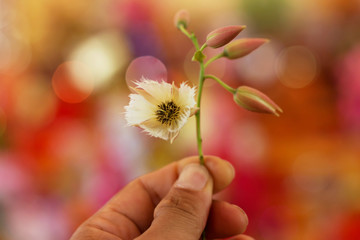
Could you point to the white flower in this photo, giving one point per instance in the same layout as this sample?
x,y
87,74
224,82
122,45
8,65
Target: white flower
x,y
160,108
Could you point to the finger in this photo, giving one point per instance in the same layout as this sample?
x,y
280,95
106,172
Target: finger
x,y
182,214
225,220
241,237
221,170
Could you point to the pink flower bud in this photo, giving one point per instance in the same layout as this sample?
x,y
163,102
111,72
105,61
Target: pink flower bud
x,y
243,47
255,101
221,36
182,17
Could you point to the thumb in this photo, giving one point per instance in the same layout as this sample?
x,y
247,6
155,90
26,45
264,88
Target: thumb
x,y
182,214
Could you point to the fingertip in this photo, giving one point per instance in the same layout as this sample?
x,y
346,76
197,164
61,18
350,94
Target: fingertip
x,y
231,169
243,217
221,170
241,237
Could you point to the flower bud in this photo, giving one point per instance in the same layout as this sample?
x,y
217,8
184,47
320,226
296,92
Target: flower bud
x,y
221,36
255,101
182,17
242,47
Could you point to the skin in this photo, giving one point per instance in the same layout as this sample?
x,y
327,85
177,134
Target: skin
x,y
157,206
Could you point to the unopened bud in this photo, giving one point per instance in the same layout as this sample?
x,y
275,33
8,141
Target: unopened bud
x,y
182,17
255,101
221,36
243,47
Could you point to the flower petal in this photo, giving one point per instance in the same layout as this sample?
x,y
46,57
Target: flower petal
x,y
146,95
186,95
160,91
193,111
155,128
138,110
173,135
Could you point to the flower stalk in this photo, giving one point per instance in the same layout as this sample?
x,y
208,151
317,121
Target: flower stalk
x,y
233,50
197,115
214,58
223,84
252,101
203,47
191,36
194,40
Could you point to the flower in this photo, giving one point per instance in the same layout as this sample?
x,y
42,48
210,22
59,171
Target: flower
x,y
160,108
255,101
242,47
221,36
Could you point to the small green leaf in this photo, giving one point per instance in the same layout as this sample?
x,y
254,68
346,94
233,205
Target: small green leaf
x,y
198,56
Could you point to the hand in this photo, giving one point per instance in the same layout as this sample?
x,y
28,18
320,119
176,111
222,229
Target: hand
x,y
174,202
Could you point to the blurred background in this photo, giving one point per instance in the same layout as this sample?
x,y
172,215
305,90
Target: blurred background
x,y
65,148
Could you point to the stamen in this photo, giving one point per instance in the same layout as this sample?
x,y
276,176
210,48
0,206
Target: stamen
x,y
167,113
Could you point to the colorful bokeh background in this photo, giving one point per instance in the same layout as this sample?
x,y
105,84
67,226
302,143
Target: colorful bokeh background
x,y
65,148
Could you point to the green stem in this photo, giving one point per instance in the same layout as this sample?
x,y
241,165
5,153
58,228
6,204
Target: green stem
x,y
224,85
193,38
213,59
190,35
203,47
197,115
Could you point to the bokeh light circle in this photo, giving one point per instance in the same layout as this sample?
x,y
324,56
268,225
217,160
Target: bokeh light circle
x,y
258,68
148,67
73,81
105,54
296,66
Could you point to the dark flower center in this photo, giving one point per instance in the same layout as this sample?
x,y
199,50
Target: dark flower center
x,y
167,113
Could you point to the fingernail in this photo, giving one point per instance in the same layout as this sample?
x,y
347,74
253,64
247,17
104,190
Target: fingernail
x,y
193,177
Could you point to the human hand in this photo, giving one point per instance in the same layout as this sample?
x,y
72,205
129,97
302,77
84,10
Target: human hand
x,y
174,202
